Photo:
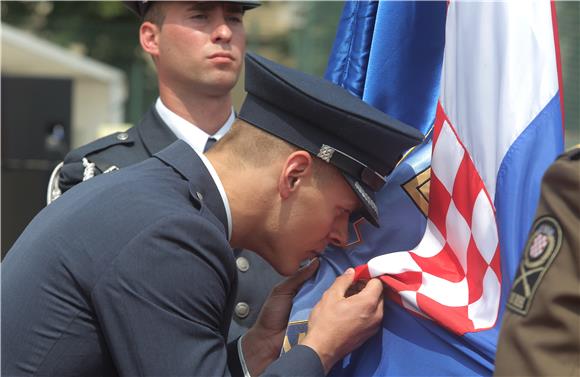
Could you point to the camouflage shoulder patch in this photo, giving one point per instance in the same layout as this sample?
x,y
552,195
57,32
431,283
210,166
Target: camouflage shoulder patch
x,y
294,333
542,247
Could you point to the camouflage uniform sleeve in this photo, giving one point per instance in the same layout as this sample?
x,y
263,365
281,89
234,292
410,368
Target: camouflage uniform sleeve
x,y
541,326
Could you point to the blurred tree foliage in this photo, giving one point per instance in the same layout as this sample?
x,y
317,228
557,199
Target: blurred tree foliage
x,y
312,43
569,32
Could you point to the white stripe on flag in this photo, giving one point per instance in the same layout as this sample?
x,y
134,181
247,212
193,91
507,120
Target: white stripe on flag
x,y
492,91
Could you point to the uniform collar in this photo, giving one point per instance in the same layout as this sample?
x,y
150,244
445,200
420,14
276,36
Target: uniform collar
x,y
154,133
187,131
204,183
222,191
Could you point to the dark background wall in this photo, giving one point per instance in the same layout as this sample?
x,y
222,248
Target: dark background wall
x,y
36,115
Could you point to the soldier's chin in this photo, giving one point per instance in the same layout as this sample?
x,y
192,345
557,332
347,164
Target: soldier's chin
x,y
221,84
287,269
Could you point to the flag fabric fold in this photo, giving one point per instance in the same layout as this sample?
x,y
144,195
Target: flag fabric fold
x,y
481,80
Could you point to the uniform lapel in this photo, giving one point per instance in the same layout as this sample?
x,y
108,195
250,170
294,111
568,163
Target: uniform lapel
x,y
154,133
185,160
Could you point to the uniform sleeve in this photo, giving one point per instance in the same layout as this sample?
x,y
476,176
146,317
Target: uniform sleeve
x,y
299,361
541,325
163,302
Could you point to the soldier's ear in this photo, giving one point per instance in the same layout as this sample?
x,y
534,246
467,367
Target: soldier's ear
x,y
298,165
149,38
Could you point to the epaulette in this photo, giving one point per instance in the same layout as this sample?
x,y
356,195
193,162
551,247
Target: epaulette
x,y
98,145
78,167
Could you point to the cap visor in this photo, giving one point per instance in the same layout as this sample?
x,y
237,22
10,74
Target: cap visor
x,y
366,197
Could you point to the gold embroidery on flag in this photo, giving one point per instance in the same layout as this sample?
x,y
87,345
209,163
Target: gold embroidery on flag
x,y
418,190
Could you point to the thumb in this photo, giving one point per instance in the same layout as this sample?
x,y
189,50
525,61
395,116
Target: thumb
x,y
292,284
372,290
342,283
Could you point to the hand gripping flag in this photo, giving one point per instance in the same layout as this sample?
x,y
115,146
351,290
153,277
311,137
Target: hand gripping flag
x,y
456,211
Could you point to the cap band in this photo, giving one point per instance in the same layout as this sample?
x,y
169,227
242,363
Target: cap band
x,y
351,166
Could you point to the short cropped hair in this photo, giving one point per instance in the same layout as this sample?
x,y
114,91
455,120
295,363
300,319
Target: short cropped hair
x,y
249,146
155,13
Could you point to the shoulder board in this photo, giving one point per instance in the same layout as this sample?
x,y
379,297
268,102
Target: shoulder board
x,y
117,138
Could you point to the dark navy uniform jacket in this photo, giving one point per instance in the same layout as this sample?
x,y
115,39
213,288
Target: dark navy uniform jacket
x,y
128,274
122,149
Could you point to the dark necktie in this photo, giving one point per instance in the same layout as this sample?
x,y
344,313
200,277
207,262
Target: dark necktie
x,y
209,143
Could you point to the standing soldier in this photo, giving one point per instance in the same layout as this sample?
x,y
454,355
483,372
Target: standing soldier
x,y
540,335
198,49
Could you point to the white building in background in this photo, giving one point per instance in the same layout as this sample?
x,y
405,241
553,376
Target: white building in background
x,y
98,90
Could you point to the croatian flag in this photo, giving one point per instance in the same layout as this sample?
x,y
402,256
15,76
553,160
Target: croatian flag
x,y
481,80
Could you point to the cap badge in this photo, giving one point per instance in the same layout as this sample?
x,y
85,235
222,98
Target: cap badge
x,y
325,153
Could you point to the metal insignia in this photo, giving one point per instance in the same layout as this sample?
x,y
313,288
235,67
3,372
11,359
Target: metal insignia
x,y
54,191
89,171
112,168
541,248
366,198
325,152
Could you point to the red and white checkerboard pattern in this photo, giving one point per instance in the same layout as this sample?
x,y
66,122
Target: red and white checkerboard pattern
x,y
538,245
453,276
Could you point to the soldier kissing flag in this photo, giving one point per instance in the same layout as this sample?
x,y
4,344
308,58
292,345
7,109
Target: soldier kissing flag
x,y
481,80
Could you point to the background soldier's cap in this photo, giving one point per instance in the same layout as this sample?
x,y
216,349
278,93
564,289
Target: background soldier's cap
x,y
324,119
140,7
